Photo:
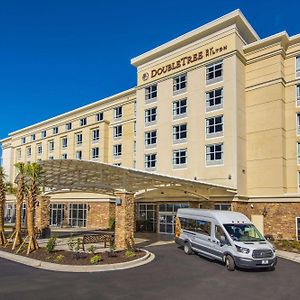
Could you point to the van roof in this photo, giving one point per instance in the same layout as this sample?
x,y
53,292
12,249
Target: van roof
x,y
222,216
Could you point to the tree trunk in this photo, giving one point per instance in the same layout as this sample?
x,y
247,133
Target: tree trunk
x,y
17,234
2,235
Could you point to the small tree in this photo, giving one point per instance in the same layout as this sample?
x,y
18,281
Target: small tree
x,y
2,205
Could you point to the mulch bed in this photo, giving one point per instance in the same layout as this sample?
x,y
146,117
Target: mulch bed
x,y
71,258
287,245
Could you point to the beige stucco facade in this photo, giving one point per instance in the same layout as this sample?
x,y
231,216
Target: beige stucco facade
x,y
257,135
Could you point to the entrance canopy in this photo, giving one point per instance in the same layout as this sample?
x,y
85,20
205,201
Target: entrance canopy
x,y
96,177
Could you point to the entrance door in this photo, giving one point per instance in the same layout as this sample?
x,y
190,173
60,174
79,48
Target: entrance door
x,y
258,221
166,223
56,214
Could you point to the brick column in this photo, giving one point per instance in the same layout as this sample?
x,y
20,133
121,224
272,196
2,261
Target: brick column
x,y
42,212
124,228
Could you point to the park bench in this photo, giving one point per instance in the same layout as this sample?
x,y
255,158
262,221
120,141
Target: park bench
x,y
98,238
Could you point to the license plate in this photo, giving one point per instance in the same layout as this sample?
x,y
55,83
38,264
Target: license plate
x,y
264,262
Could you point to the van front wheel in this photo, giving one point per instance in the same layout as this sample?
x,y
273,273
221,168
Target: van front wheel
x,y
230,264
187,248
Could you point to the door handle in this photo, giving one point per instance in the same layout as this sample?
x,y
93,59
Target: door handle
x,y
209,239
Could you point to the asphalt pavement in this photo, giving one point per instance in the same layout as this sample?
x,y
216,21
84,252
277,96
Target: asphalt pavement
x,y
172,275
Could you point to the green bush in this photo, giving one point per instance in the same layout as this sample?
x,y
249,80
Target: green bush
x,y
59,258
51,244
130,253
92,249
95,259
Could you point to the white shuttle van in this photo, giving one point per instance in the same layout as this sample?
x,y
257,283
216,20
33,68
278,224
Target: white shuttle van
x,y
225,236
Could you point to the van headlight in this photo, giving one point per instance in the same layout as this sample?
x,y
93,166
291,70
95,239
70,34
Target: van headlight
x,y
242,250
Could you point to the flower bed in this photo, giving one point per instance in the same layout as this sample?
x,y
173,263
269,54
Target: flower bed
x,y
287,245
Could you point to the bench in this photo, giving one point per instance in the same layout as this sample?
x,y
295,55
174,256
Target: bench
x,y
97,238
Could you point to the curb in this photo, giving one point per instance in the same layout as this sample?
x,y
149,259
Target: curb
x,y
78,269
295,257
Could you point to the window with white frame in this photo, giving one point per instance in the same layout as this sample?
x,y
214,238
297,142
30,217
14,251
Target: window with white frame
x,y
95,153
117,150
39,149
298,181
78,155
64,142
134,108
78,138
69,126
214,154
134,128
298,228
150,116
28,151
117,164
64,156
179,84
55,130
214,99
32,137
298,153
298,95
150,161
298,124
179,108
51,146
214,126
99,117
43,134
150,138
23,140
83,122
77,214
19,153
298,66
222,206
95,135
118,112
179,158
179,133
214,72
151,93
117,131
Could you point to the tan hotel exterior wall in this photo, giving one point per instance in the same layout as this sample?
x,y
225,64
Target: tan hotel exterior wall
x,y
259,136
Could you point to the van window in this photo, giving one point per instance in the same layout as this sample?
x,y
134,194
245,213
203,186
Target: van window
x,y
199,226
244,232
219,232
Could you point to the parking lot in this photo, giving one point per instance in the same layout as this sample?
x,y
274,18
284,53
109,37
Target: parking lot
x,y
172,275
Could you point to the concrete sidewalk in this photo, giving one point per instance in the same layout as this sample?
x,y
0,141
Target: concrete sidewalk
x,y
288,255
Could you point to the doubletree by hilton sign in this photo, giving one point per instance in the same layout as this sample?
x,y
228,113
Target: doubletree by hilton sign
x,y
189,59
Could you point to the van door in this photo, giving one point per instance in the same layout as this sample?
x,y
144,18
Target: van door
x,y
219,249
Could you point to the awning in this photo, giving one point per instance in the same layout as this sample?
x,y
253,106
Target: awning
x,y
98,177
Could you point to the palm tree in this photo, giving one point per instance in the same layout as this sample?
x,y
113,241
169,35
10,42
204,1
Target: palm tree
x,y
20,194
2,204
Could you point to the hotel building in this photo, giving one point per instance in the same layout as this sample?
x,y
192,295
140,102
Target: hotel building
x,y
217,104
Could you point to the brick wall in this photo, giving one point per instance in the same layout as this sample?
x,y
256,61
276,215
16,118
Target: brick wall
x,y
99,215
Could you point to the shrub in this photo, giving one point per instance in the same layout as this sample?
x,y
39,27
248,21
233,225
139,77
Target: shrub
x,y
51,244
130,253
111,223
95,259
59,258
92,249
71,243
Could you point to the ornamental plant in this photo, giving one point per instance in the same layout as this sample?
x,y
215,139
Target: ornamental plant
x,y
95,259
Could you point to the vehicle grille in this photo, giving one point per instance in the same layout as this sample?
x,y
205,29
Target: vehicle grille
x,y
262,253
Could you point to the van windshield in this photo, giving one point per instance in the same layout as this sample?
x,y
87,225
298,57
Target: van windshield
x,y
244,232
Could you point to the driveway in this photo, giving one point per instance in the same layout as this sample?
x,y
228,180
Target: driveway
x,y
172,275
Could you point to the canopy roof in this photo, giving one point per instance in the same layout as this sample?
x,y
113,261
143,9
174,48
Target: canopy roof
x,y
96,177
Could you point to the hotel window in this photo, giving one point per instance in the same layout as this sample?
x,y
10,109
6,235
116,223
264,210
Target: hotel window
x,y
64,156
78,139
298,182
134,147
179,108
64,142
298,153
82,122
95,153
51,157
179,158
57,212
298,66
19,153
23,140
298,94
150,138
78,155
118,131
150,161
68,126
222,206
51,146
43,134
179,84
151,93
150,116
117,164
95,135
77,214
214,72
33,137
117,150
214,154
28,151
39,149
55,130
298,123
298,228
118,112
214,126
134,108
179,133
99,117
214,99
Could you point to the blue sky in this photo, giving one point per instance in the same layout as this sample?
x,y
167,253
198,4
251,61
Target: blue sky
x,y
61,54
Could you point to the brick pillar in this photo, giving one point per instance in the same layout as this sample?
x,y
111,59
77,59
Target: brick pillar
x,y
42,212
124,228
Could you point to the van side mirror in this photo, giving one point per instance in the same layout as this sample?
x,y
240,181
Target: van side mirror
x,y
222,240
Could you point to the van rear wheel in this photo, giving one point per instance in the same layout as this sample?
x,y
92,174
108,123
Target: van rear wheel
x,y
230,264
187,248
